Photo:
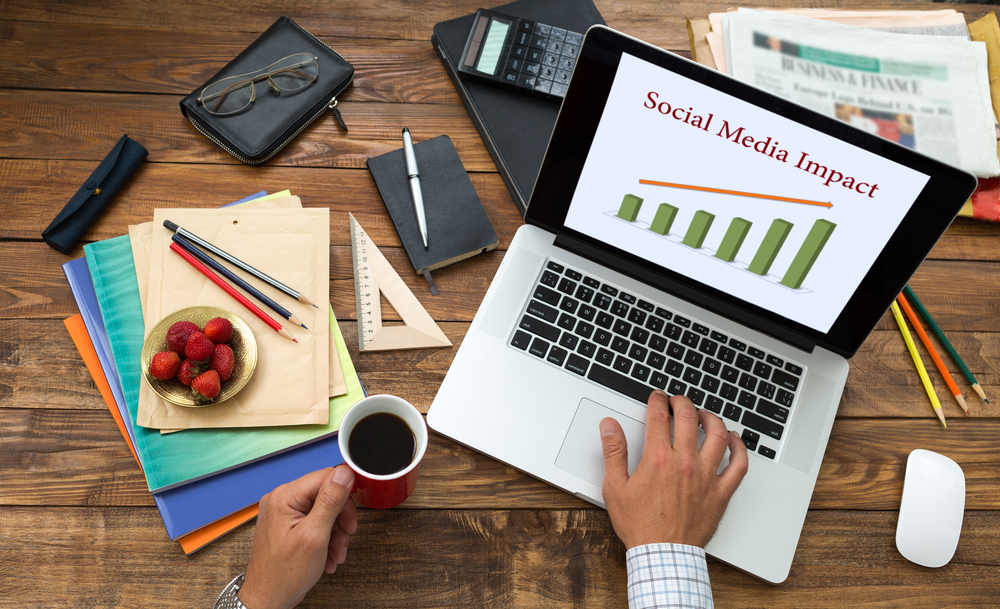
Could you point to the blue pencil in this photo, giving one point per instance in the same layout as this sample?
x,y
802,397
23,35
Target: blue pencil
x,y
209,261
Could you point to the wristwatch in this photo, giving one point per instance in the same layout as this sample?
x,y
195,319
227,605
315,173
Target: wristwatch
x,y
228,598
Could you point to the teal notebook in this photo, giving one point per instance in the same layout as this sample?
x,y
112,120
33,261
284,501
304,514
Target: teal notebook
x,y
175,459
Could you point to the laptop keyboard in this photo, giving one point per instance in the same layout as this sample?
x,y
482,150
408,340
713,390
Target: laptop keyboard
x,y
595,330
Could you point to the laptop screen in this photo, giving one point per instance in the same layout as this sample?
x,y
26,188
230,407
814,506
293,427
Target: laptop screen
x,y
736,197
752,204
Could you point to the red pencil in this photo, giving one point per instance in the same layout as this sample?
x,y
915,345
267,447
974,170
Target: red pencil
x,y
219,281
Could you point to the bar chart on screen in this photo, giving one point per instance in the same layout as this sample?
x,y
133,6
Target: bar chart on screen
x,y
757,262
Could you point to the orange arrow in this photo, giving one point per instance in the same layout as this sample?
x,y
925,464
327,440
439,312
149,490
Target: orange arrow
x,y
738,193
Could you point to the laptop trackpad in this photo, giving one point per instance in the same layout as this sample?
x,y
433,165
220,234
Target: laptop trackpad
x,y
581,453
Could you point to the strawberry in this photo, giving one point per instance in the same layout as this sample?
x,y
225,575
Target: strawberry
x,y
206,386
164,365
178,334
198,348
218,330
187,372
223,360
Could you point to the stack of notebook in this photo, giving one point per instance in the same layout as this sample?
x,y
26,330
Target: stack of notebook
x,y
205,482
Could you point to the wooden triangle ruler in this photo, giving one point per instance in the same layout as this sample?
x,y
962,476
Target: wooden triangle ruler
x,y
374,275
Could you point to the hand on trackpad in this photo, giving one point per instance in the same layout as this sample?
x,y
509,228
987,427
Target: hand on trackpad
x,y
581,454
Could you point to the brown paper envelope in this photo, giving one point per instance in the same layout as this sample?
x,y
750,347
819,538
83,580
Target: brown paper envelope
x,y
291,382
139,237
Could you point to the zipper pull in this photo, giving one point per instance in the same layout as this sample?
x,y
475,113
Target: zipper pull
x,y
336,114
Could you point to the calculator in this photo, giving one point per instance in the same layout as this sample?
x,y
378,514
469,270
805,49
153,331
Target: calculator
x,y
520,54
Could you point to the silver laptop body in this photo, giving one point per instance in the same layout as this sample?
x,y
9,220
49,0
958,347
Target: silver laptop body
x,y
536,408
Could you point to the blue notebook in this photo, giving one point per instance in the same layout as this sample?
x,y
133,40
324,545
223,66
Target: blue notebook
x,y
78,276
192,506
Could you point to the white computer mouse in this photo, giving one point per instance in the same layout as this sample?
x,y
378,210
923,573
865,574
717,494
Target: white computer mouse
x,y
932,510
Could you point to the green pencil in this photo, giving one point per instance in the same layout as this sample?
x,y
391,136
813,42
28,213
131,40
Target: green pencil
x,y
944,341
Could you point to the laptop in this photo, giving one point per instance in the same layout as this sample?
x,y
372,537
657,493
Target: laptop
x,y
692,233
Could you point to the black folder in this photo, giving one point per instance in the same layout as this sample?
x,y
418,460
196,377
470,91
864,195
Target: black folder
x,y
515,126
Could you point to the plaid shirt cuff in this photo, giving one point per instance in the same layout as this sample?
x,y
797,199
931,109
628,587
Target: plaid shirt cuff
x,y
668,575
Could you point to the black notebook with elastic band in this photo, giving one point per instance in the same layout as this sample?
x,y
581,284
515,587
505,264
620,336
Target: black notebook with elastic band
x,y
515,126
457,224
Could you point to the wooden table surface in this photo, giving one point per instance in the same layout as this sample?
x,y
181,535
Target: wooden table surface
x,y
78,527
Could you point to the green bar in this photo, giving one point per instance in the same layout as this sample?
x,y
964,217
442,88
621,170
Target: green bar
x,y
696,233
810,250
664,219
733,240
768,251
630,208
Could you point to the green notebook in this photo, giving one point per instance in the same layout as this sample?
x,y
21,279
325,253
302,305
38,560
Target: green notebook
x,y
175,459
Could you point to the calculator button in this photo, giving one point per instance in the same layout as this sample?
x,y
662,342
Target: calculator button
x,y
520,51
510,78
558,34
547,73
570,50
514,64
526,81
537,42
526,26
543,86
565,63
550,60
574,38
522,38
559,90
554,47
562,77
535,55
542,30
531,68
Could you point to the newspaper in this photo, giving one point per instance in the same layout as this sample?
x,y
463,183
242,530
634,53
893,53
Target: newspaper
x,y
929,93
943,22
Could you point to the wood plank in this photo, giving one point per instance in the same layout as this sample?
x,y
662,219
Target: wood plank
x,y
78,458
403,558
74,126
40,368
37,190
34,286
128,59
660,22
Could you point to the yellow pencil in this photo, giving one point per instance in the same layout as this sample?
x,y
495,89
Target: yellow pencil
x,y
918,362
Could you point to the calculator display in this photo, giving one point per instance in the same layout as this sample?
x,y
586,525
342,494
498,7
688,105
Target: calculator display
x,y
520,54
489,59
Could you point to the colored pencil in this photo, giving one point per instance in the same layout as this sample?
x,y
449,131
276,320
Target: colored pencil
x,y
231,276
918,362
944,341
219,281
243,265
915,322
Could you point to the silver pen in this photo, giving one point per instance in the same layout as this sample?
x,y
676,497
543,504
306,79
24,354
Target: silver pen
x,y
413,176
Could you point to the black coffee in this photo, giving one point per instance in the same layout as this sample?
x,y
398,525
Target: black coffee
x,y
382,444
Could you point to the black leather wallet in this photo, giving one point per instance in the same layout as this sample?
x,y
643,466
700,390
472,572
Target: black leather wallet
x,y
263,129
96,193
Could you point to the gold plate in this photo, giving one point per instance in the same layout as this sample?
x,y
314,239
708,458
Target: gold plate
x,y
242,343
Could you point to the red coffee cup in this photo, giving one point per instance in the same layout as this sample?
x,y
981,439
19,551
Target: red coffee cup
x,y
384,490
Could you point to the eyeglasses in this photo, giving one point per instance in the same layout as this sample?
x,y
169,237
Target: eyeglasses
x,y
237,93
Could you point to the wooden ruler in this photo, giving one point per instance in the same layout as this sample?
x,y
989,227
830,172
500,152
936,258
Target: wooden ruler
x,y
373,275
